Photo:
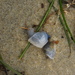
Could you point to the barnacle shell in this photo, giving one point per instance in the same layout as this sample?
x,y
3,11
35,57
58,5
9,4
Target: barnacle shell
x,y
39,39
50,52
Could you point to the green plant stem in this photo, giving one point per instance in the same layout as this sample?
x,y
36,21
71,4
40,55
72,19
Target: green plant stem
x,y
39,27
45,16
62,13
24,51
67,35
8,67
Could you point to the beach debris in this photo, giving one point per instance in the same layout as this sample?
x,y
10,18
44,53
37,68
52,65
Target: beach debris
x,y
42,5
41,40
49,50
56,42
69,3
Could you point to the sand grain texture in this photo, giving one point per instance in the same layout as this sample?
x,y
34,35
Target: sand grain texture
x,y
15,14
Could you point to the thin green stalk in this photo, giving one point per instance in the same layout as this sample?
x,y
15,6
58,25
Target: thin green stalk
x,y
39,27
67,35
62,13
45,16
8,67
24,51
62,23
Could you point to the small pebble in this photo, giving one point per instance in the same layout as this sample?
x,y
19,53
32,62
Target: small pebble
x,y
62,36
34,26
72,38
42,5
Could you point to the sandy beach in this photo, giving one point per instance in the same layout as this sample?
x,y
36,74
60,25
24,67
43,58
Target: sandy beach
x,y
15,14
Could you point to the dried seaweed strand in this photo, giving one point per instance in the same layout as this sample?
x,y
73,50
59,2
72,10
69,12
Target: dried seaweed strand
x,y
39,27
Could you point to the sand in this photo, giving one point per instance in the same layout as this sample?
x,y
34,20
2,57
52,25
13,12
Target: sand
x,y
15,14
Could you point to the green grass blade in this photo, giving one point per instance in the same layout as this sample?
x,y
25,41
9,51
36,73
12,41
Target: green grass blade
x,y
10,68
24,51
45,16
7,66
63,24
67,35
39,27
62,13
